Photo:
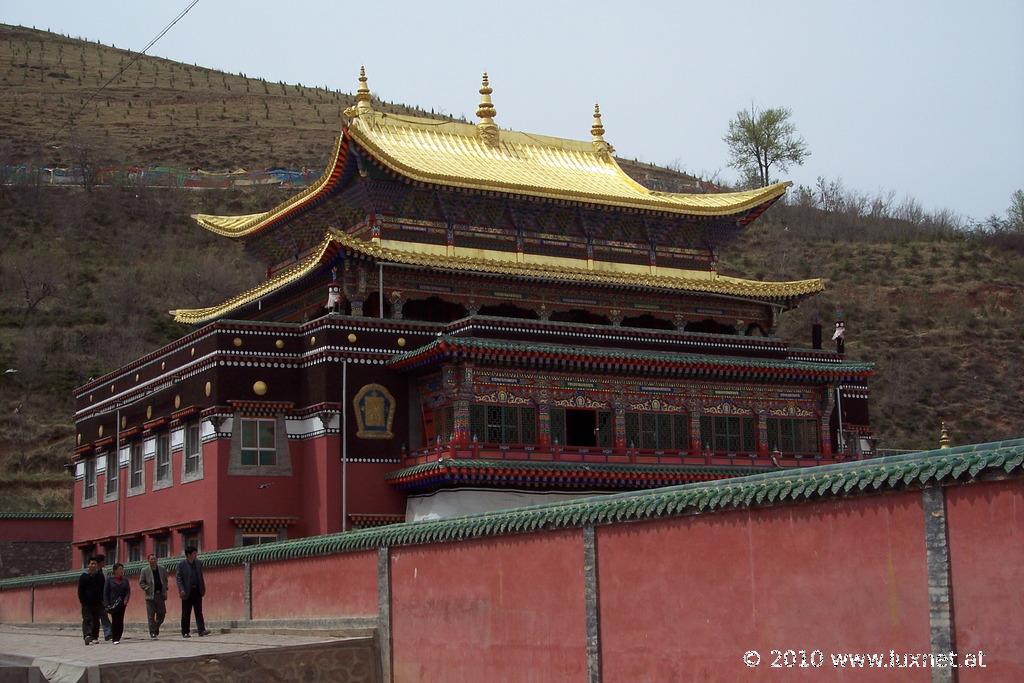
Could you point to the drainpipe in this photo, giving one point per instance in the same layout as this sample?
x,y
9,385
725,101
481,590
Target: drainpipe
x,y
344,444
839,407
380,292
117,471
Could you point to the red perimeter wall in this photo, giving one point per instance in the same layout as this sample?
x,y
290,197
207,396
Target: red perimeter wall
x,y
986,552
679,598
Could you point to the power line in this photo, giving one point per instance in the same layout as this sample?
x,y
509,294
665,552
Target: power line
x,y
135,58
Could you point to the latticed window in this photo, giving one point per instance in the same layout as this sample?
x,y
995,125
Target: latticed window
x,y
112,472
258,442
503,424
135,466
444,423
604,429
193,448
89,487
558,426
792,436
728,434
657,431
163,458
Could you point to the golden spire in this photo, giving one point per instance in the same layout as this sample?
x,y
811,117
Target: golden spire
x,y
486,128
944,440
362,96
597,130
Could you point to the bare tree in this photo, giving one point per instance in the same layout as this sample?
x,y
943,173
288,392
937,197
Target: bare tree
x,y
760,139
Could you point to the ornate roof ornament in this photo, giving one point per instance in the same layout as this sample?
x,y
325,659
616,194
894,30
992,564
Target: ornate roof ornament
x,y
486,128
363,98
597,130
944,440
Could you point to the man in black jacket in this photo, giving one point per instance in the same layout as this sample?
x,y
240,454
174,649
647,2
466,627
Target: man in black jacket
x,y
191,589
90,594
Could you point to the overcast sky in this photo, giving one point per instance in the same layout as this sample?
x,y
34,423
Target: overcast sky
x,y
924,97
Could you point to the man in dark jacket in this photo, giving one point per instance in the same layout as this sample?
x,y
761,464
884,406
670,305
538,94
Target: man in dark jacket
x,y
191,589
90,595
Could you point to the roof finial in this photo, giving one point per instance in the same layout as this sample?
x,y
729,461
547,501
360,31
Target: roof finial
x,y
597,130
944,440
487,129
363,94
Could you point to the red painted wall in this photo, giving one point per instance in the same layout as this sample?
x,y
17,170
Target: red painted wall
x,y
225,594
35,530
498,609
986,554
683,599
316,587
15,606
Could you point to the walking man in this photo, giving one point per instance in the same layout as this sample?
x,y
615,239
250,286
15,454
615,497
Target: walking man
x,y
153,583
191,589
90,594
116,594
101,560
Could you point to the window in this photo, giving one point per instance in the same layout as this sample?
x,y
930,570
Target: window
x,y
163,458
161,547
110,550
792,436
191,538
258,442
135,463
658,431
728,434
193,448
503,424
86,555
258,539
111,473
89,487
134,551
444,423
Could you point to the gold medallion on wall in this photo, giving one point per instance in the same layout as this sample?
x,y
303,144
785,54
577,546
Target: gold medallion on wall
x,y
375,412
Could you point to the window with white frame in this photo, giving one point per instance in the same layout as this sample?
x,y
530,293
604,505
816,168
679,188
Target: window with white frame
x,y
259,442
193,448
163,458
135,466
89,484
111,473
258,539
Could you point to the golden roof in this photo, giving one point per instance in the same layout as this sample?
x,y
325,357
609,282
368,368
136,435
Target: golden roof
x,y
520,265
452,153
483,157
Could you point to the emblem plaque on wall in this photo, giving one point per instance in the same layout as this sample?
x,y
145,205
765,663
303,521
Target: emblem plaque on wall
x,y
375,412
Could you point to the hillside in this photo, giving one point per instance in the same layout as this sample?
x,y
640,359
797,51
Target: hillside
x,y
86,275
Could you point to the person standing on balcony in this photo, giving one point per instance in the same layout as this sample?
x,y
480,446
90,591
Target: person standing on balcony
x,y
191,589
116,594
90,595
153,583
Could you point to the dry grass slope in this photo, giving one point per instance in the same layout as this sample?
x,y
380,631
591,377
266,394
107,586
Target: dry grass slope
x,y
86,277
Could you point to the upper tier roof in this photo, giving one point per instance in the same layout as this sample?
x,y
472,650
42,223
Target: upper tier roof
x,y
482,157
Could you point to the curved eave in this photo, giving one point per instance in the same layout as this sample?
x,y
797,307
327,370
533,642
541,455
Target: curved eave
x,y
718,285
711,205
294,273
243,226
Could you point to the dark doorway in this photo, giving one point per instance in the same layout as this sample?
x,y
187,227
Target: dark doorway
x,y
648,321
709,326
433,309
580,427
508,311
577,315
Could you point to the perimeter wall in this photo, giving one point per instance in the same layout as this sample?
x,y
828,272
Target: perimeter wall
x,y
680,595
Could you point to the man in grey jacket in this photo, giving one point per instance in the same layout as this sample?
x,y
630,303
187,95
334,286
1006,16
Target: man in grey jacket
x,y
153,583
191,589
